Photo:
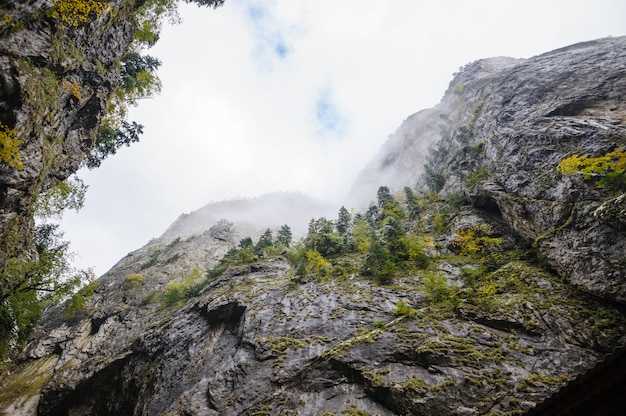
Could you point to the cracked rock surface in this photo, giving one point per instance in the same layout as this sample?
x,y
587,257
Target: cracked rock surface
x,y
255,341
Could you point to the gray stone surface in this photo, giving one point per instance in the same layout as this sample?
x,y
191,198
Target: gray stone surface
x,y
253,341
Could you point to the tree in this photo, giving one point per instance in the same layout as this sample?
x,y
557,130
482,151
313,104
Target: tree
x,y
344,222
110,139
361,235
245,243
284,235
323,238
393,235
412,203
209,3
384,196
435,181
139,79
266,240
30,285
68,194
379,263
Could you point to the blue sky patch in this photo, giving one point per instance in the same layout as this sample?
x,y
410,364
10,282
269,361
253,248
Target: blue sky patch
x,y
327,115
271,37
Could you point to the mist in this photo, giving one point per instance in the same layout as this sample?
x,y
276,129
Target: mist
x,y
274,96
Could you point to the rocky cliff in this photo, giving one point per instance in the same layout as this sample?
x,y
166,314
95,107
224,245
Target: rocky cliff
x,y
55,84
507,280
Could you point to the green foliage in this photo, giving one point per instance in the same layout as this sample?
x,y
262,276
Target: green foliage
x,y
438,291
415,383
208,3
78,301
323,238
384,196
10,147
316,263
109,139
132,281
440,222
280,345
434,181
379,263
176,292
68,194
376,378
344,226
266,240
361,235
412,204
477,177
139,78
477,150
284,236
354,411
414,251
404,309
28,286
609,168
393,235
534,379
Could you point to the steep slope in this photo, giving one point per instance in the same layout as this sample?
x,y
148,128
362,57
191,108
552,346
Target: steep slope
x,y
511,284
55,83
499,135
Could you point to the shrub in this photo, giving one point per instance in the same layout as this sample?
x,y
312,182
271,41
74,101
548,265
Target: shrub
x,y
415,383
10,147
476,241
610,168
316,263
76,12
132,281
415,251
78,301
73,88
404,309
174,292
437,289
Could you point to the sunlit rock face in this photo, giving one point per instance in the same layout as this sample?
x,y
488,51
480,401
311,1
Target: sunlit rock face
x,y
166,332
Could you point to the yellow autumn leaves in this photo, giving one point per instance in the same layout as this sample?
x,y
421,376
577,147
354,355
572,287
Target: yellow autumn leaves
x,y
72,13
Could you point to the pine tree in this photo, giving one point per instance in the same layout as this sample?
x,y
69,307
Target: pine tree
x,y
344,222
266,240
284,235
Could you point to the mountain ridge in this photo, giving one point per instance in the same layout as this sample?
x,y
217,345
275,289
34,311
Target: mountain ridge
x,y
465,295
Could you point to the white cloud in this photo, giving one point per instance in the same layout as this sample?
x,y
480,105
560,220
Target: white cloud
x,y
242,86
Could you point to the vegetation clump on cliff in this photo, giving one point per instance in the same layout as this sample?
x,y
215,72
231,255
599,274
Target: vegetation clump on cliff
x,y
34,261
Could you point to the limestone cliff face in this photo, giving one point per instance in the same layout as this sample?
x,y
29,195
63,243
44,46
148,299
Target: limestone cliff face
x,y
497,139
158,335
55,82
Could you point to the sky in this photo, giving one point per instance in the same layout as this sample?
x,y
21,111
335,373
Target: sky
x,y
265,96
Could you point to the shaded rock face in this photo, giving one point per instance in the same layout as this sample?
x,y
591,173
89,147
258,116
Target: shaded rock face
x,y
55,82
156,337
254,341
